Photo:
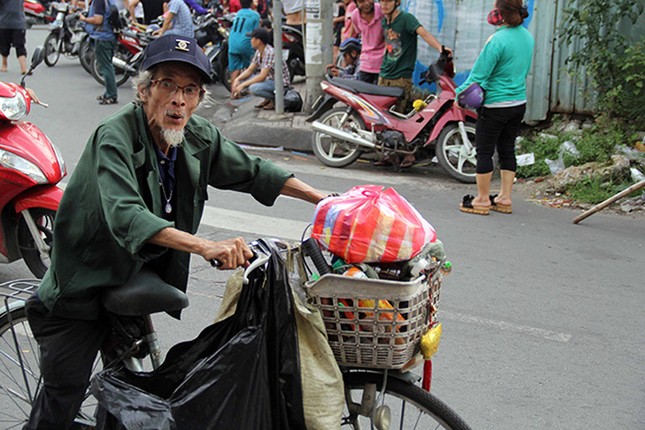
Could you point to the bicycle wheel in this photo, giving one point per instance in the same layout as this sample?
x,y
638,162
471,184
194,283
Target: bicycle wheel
x,y
20,378
403,405
17,388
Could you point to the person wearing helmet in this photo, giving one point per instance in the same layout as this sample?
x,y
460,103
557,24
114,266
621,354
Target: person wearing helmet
x,y
351,52
131,210
501,70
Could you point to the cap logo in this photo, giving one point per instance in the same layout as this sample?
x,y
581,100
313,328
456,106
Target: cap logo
x,y
182,45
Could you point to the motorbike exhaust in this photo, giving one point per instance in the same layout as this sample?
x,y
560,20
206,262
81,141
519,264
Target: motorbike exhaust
x,y
119,63
343,135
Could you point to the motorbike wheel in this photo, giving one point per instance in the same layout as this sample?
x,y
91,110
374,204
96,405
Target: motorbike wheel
x,y
52,49
121,75
44,219
335,152
86,55
454,157
224,72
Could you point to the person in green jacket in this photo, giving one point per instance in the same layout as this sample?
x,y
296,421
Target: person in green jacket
x,y
501,70
133,206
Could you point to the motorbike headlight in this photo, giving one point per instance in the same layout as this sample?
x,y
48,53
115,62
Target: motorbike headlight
x,y
61,161
12,161
13,108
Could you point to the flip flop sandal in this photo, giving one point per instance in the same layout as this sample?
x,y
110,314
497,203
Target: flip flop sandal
x,y
498,207
408,162
467,206
262,104
108,101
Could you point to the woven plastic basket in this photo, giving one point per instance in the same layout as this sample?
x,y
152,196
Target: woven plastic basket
x,y
375,323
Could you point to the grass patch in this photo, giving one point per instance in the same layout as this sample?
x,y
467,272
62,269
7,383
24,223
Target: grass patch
x,y
595,189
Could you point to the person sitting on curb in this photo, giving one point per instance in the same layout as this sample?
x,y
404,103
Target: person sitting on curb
x,y
261,84
351,50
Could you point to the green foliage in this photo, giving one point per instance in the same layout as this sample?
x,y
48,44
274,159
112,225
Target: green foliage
x,y
626,99
615,71
595,189
542,146
597,143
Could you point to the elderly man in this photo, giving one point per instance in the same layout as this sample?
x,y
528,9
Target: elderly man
x,y
133,206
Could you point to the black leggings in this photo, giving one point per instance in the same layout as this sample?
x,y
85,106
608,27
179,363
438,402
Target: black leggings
x,y
497,128
9,37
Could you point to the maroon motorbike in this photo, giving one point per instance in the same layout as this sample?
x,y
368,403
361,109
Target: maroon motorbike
x,y
367,122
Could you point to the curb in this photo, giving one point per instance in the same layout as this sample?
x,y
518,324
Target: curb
x,y
242,123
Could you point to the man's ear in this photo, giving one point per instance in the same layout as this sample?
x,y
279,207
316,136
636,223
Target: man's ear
x,y
144,92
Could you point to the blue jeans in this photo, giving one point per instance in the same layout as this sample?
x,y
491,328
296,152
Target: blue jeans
x,y
264,89
104,51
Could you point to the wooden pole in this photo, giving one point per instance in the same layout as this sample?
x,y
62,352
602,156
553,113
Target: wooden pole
x,y
600,206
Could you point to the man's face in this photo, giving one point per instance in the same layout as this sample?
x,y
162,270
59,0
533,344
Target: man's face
x,y
255,42
168,111
366,6
388,6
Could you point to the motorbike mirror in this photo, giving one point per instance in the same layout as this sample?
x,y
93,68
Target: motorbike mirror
x,y
37,57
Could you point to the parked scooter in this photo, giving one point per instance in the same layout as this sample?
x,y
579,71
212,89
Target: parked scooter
x,y
293,50
30,168
367,122
37,12
66,36
212,32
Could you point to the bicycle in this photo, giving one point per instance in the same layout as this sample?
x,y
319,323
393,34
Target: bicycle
x,y
375,364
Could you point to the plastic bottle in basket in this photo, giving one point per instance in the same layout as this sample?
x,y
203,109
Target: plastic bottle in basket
x,y
355,272
446,267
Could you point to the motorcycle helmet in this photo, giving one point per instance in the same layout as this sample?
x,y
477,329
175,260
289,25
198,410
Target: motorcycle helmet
x,y
472,97
350,44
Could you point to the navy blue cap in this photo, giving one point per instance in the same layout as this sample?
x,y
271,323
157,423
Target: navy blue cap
x,y
172,47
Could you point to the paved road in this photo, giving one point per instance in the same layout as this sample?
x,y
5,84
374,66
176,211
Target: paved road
x,y
543,320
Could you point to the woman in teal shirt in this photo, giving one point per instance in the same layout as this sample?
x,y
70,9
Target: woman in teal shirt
x,y
501,70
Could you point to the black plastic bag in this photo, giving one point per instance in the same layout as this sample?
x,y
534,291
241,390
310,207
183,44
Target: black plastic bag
x,y
240,373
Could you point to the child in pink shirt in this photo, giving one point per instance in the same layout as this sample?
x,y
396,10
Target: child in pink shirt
x,y
366,20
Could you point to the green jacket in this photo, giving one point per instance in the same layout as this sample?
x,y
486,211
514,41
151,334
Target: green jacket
x,y
112,207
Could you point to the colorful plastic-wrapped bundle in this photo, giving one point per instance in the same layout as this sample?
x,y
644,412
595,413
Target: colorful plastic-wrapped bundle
x,y
371,224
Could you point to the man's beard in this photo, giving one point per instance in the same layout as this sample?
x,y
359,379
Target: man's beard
x,y
172,137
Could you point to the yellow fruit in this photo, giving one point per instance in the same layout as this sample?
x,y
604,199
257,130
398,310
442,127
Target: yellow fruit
x,y
430,341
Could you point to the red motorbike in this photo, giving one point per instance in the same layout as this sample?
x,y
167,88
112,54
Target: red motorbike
x,y
368,123
128,54
30,168
37,13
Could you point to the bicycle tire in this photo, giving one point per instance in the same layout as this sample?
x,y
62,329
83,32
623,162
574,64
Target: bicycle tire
x,y
430,410
17,391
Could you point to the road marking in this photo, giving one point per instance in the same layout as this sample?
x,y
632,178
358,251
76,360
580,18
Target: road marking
x,y
506,326
259,225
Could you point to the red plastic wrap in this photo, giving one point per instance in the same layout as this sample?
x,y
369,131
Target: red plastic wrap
x,y
370,224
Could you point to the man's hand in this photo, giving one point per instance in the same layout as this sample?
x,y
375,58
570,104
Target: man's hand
x,y
231,253
333,70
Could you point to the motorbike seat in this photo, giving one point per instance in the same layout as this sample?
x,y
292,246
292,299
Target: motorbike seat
x,y
365,88
145,293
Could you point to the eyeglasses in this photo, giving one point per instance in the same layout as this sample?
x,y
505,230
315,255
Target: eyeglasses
x,y
191,91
